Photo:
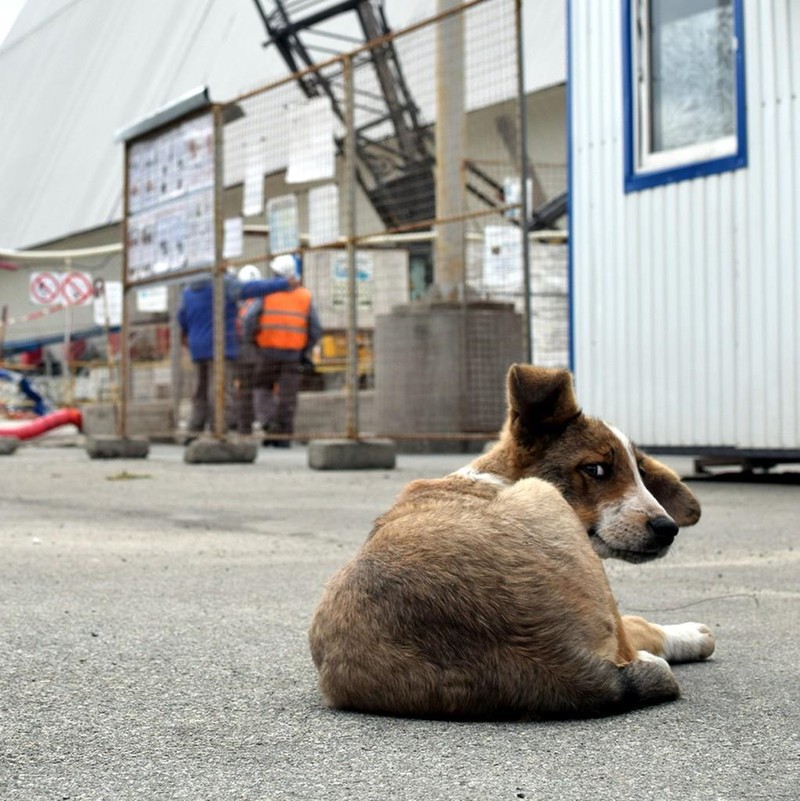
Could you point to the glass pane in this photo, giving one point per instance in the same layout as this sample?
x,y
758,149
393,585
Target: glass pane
x,y
691,72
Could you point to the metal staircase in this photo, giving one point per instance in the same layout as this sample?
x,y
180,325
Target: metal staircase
x,y
394,145
395,166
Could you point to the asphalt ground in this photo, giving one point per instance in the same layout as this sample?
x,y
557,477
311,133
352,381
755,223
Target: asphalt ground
x,y
153,620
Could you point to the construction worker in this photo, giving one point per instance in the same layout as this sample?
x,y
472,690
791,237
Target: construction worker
x,y
285,328
196,320
245,368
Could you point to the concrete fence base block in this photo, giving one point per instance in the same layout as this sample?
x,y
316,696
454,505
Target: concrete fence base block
x,y
8,445
212,451
348,454
117,447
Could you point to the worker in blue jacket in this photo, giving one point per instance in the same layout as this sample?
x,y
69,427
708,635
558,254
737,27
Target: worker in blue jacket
x,y
196,319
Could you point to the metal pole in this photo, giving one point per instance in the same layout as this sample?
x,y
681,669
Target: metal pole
x,y
121,406
52,255
527,323
175,350
219,282
352,422
66,370
100,291
3,323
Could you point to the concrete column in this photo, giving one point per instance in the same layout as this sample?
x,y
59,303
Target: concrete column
x,y
450,153
441,369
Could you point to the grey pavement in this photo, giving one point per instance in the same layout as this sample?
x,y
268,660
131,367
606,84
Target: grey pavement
x,y
153,623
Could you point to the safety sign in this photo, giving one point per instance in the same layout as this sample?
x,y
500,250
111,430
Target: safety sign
x,y
49,289
45,288
77,288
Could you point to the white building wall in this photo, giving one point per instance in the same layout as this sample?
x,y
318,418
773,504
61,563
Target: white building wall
x,y
687,296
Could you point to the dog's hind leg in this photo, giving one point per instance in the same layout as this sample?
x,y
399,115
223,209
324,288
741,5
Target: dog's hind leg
x,y
684,642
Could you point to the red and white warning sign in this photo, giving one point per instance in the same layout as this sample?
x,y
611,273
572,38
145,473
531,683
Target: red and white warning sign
x,y
77,288
49,289
45,288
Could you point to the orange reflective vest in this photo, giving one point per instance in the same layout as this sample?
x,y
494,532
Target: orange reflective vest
x,y
284,320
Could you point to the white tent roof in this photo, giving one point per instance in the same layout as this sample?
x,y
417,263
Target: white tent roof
x,y
72,72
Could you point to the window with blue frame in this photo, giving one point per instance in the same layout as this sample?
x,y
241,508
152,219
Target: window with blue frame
x,y
684,90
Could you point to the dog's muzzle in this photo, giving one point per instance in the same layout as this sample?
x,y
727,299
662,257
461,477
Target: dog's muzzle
x,y
661,532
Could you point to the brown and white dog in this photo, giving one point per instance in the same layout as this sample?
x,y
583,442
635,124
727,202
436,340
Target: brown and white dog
x,y
483,594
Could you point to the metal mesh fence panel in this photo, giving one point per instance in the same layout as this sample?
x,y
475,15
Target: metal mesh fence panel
x,y
393,172
441,360
392,175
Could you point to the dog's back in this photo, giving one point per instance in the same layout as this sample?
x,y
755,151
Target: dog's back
x,y
461,606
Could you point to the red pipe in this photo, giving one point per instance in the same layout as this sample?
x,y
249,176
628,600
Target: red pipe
x,y
40,425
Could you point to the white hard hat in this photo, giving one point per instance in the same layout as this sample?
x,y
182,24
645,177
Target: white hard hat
x,y
249,273
284,265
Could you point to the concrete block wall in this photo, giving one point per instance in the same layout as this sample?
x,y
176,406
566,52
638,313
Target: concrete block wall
x,y
442,368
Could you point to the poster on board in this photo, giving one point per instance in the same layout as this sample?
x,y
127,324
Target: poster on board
x,y
170,221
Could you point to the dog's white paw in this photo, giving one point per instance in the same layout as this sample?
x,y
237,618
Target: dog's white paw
x,y
646,656
687,642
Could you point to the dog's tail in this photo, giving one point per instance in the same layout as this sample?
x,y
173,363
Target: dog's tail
x,y
648,680
598,687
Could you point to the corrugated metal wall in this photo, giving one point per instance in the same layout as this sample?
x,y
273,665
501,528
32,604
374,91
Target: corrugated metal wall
x,y
687,296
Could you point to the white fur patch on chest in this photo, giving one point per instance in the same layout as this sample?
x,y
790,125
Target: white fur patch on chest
x,y
472,474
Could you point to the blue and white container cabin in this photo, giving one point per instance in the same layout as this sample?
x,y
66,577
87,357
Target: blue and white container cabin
x,y
684,150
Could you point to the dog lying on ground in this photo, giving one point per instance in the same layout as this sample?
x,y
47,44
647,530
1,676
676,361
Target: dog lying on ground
x,y
483,594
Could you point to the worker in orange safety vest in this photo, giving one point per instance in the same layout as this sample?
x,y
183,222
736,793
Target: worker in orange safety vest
x,y
285,327
245,367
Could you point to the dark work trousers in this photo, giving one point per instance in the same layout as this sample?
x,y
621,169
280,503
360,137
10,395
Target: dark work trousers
x,y
280,382
203,400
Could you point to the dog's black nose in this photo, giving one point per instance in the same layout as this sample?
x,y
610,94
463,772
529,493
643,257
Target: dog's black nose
x,y
663,529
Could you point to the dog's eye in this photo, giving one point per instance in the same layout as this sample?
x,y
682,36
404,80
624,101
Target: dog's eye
x,y
596,470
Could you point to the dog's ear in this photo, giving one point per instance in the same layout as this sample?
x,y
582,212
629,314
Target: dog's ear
x,y
540,400
678,500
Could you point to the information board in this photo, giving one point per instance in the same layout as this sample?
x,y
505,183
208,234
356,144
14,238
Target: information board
x,y
170,203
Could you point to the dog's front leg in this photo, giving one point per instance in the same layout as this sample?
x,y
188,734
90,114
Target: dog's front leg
x,y
684,642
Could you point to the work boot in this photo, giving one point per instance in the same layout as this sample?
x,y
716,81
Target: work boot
x,y
271,427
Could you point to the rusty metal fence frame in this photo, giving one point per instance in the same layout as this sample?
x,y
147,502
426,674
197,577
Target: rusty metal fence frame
x,y
350,238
